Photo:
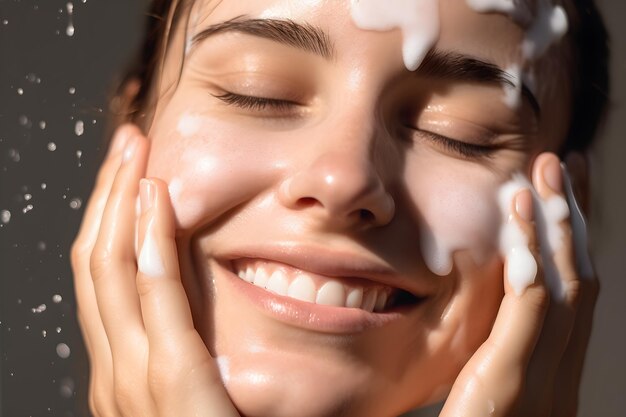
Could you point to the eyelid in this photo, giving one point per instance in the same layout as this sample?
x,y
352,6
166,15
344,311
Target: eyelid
x,y
256,103
459,147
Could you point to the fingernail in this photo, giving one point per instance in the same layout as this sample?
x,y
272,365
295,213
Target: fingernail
x,y
524,205
147,193
130,149
552,176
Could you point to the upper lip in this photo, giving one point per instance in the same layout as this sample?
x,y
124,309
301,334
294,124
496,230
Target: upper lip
x,y
332,263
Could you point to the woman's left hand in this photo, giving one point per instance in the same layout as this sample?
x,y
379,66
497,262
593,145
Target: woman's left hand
x,y
531,363
147,359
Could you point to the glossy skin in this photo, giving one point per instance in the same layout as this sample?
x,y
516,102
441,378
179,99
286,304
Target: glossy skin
x,y
290,183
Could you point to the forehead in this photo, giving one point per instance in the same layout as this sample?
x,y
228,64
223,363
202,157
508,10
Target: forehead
x,y
490,36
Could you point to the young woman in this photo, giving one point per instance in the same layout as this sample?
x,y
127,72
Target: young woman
x,y
324,226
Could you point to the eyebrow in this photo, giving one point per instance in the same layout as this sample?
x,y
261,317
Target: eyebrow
x,y
458,67
437,64
299,35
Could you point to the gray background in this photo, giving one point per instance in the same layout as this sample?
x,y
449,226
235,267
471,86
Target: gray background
x,y
63,80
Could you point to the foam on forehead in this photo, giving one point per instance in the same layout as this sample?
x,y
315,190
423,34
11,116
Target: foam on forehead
x,y
418,20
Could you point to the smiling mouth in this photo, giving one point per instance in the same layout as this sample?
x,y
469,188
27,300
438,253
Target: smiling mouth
x,y
347,292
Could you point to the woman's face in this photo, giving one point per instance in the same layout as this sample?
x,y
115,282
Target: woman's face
x,y
353,180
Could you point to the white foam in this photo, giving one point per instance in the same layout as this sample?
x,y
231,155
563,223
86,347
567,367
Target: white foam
x,y
549,26
417,19
521,266
548,217
150,262
223,365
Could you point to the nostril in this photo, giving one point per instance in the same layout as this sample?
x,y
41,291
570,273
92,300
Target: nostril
x,y
366,215
306,202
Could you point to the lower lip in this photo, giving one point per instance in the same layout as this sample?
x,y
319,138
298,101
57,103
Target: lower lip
x,y
310,316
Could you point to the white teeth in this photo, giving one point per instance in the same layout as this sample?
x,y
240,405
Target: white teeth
x,y
381,301
261,278
369,301
331,294
249,276
302,288
278,283
355,298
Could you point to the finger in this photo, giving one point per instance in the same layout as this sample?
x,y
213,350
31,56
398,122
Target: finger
x,y
570,369
112,262
559,261
181,369
96,343
525,301
493,380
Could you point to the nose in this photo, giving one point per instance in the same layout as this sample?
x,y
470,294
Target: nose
x,y
339,189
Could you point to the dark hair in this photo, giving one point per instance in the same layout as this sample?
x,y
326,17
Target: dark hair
x,y
589,74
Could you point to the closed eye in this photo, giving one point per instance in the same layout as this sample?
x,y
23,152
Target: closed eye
x,y
257,103
458,147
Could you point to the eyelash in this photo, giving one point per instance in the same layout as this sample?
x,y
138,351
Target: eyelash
x,y
464,149
255,103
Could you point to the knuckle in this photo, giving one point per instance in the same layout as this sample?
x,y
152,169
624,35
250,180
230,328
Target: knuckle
x,y
78,252
99,262
145,285
538,298
102,404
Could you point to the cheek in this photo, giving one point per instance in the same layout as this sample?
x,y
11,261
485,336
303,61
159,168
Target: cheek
x,y
458,210
211,166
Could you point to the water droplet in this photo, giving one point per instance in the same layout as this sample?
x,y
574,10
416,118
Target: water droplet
x,y
71,90
63,351
39,309
14,154
66,389
28,197
44,333
42,124
52,146
79,153
58,330
23,120
5,22
27,208
44,185
70,25
41,245
56,298
5,216
20,91
76,203
79,128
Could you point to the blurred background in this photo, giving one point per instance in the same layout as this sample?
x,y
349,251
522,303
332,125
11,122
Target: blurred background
x,y
57,61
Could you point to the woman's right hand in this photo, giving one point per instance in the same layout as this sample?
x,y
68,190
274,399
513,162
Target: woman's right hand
x,y
146,357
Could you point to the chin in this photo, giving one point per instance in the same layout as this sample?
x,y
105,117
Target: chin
x,y
311,387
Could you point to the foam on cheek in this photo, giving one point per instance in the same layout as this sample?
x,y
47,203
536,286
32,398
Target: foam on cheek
x,y
514,244
521,266
457,219
418,20
223,365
